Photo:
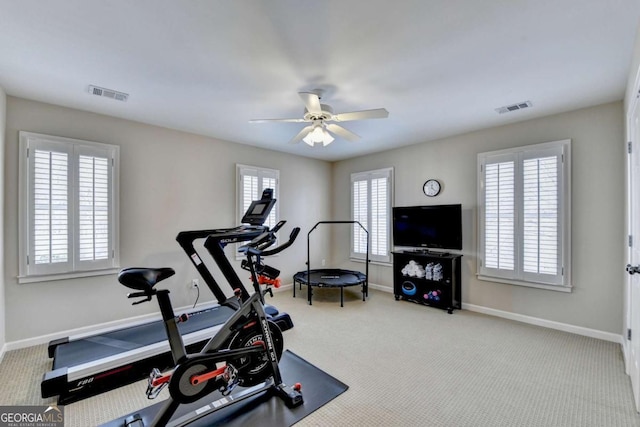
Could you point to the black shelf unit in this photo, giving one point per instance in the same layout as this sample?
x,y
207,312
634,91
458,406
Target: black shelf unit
x,y
428,278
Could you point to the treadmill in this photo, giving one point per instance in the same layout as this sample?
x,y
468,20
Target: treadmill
x,y
86,365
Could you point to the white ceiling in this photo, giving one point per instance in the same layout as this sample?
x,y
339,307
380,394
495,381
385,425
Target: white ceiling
x,y
440,67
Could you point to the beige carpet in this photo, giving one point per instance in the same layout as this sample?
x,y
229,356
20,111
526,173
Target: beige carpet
x,y
409,365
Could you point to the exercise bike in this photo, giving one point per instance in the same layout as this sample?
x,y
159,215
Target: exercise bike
x,y
243,353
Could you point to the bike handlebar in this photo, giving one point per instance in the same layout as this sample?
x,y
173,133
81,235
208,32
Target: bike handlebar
x,y
292,238
258,245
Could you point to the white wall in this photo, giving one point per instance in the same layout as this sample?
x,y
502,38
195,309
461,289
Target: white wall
x,y
3,117
170,181
173,181
597,218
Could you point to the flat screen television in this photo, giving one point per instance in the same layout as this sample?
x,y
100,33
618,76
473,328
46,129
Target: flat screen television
x,y
438,226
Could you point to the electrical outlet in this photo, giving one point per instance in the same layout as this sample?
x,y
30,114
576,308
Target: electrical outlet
x,y
324,262
195,283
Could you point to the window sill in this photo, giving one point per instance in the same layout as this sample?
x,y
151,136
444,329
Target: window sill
x,y
383,263
557,288
63,276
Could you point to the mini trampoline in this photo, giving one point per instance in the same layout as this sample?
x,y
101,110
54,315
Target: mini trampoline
x,y
332,277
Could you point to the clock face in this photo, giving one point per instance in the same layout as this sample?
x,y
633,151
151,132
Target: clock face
x,y
431,188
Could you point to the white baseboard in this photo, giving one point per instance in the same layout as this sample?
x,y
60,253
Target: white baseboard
x,y
96,329
579,330
84,331
283,288
386,289
105,327
565,327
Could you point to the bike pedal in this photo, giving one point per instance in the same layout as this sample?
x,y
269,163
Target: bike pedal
x,y
231,378
154,377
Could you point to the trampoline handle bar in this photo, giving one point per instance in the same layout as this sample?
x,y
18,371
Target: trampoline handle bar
x,y
292,238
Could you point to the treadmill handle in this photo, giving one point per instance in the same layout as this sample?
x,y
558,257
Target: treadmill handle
x,y
263,241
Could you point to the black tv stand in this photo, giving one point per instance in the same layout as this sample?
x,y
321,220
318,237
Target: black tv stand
x,y
428,278
426,252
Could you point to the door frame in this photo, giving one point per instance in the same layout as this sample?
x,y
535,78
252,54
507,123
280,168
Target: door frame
x,y
632,367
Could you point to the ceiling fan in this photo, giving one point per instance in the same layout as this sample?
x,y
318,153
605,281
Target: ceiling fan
x,y
321,117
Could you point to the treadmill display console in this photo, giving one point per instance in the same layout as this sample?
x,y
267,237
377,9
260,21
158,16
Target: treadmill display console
x,y
258,211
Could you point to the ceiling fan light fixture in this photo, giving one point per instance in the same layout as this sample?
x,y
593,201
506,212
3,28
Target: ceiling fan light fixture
x,y
328,139
318,134
308,140
321,120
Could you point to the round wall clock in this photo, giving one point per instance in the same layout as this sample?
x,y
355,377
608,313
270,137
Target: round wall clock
x,y
431,187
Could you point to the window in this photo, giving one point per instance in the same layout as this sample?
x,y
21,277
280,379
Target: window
x,y
371,198
524,206
251,182
68,207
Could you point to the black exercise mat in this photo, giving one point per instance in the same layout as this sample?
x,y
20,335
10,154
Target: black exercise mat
x,y
318,389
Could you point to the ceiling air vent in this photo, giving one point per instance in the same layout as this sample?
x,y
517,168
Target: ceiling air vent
x,y
108,93
514,107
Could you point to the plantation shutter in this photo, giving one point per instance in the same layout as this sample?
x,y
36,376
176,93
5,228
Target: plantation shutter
x,y
523,214
379,216
249,190
95,241
371,207
541,238
499,215
68,217
50,237
360,214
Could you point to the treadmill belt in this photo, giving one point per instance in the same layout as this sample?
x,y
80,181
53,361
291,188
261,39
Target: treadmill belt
x,y
125,345
89,349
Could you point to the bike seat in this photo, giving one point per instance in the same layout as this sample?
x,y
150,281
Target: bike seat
x,y
144,279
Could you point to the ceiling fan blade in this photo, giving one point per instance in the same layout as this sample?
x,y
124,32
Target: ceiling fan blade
x,y
305,130
342,132
378,113
277,120
311,101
